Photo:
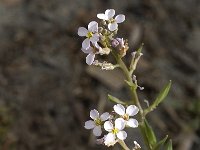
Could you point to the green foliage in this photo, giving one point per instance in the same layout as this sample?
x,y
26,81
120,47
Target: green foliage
x,y
116,100
161,96
160,143
149,133
168,145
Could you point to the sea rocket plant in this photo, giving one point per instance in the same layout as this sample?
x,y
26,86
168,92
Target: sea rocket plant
x,y
115,131
97,122
102,39
112,22
119,118
126,114
90,34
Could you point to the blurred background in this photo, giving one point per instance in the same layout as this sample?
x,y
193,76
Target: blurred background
x,y
47,90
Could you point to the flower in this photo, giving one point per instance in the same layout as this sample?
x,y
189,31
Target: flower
x,y
113,22
125,114
91,51
91,33
97,121
115,132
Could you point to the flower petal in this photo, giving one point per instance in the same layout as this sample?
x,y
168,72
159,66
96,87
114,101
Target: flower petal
x,y
119,109
132,110
89,124
122,135
82,31
87,51
94,38
120,123
132,123
86,43
104,116
108,126
120,18
112,26
94,114
102,16
110,13
97,131
110,139
90,58
93,26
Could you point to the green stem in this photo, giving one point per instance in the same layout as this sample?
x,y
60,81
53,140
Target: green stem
x,y
123,145
133,92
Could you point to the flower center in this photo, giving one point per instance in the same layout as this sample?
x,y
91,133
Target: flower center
x,y
112,20
125,117
89,35
98,121
115,131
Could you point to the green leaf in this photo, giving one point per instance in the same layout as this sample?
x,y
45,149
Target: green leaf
x,y
168,145
161,96
149,134
116,100
160,143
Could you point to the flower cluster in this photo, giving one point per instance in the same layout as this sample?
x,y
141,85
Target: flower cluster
x,y
100,38
113,124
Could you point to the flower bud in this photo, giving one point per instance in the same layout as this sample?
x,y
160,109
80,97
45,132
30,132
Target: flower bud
x,y
115,43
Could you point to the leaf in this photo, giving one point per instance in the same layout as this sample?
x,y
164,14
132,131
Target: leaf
x,y
163,93
149,134
160,143
161,96
116,100
169,145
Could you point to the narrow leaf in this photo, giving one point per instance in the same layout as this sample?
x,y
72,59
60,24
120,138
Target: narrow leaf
x,y
160,143
161,96
169,145
116,100
150,134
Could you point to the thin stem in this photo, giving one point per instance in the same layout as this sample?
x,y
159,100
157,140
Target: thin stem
x,y
123,145
133,91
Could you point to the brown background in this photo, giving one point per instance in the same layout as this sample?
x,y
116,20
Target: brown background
x,y
46,89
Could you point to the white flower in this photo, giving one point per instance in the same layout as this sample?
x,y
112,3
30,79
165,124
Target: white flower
x,y
91,33
97,121
115,131
109,14
125,114
91,51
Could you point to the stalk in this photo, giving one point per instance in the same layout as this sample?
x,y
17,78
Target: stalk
x,y
134,96
123,145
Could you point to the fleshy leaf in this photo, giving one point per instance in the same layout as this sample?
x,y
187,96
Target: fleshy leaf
x,y
160,143
150,135
169,145
116,100
161,96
